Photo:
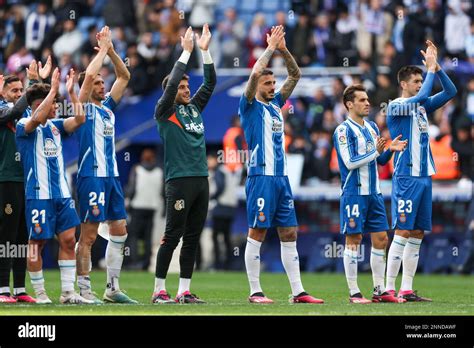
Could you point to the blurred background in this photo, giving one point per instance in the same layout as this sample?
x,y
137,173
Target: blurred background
x,y
335,42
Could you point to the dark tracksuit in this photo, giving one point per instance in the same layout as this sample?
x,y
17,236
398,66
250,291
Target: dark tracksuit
x,y
186,187
12,196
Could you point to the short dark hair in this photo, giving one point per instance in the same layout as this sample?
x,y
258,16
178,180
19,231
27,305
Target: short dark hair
x,y
405,72
167,77
10,79
37,91
266,72
349,93
81,77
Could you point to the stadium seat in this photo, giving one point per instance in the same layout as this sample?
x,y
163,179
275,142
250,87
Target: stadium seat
x,y
225,4
249,5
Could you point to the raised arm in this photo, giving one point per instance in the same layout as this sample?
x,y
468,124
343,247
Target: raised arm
x,y
8,114
169,94
121,72
202,96
79,118
272,40
406,106
41,113
104,42
294,72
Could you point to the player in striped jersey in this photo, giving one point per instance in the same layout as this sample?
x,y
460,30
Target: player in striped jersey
x,y
98,186
269,197
411,190
49,207
359,149
13,106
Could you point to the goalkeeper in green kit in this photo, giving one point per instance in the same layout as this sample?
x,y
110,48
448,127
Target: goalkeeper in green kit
x,y
187,190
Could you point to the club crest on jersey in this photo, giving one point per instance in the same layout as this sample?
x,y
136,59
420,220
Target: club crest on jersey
x,y
352,223
179,205
277,126
108,128
50,149
38,228
8,209
261,217
95,210
403,217
342,139
370,146
422,124
55,130
194,113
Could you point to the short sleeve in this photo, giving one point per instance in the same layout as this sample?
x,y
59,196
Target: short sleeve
x,y
59,123
20,128
279,99
109,102
245,105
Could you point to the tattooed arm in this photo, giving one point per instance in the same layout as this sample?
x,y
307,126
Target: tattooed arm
x,y
273,39
294,72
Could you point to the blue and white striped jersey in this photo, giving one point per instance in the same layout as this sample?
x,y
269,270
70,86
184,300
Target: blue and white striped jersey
x,y
264,132
97,141
408,117
42,159
357,155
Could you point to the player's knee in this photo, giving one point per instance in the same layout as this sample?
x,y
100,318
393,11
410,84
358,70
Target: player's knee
x,y
353,240
380,240
288,235
170,242
87,239
68,242
257,234
419,234
403,233
118,227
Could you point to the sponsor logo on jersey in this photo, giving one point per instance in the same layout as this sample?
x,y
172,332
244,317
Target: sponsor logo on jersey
x,y
179,205
50,148
342,139
194,127
108,128
261,217
277,126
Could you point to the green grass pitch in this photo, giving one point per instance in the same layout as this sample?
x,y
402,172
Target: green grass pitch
x,y
226,294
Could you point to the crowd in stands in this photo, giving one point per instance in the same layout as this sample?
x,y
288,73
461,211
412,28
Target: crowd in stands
x,y
368,34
